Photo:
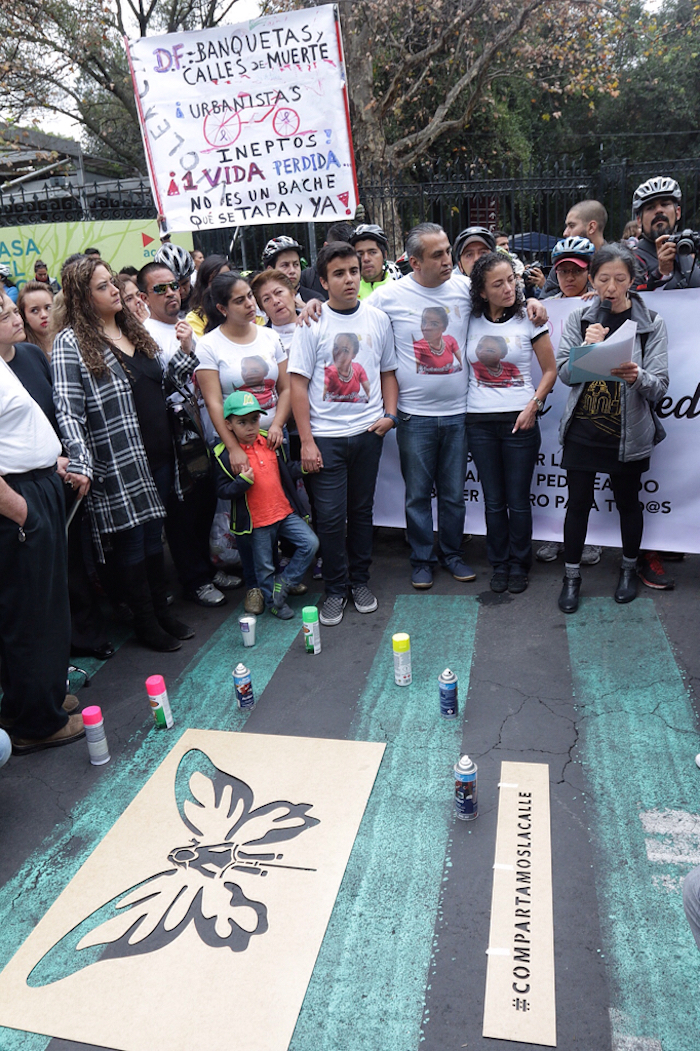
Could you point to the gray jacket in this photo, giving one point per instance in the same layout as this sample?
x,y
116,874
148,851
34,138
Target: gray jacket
x,y
640,430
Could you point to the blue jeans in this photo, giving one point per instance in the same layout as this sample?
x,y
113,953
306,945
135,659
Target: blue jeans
x,y
433,451
505,462
264,538
343,497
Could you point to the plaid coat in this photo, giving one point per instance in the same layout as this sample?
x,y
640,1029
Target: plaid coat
x,y
101,435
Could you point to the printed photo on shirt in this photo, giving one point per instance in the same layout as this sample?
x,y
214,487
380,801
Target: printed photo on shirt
x,y
254,373
491,368
436,352
345,379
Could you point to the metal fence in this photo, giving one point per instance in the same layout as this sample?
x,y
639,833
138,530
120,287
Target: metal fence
x,y
532,199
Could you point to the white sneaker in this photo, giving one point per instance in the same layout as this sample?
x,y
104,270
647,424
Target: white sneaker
x,y
206,595
225,581
548,552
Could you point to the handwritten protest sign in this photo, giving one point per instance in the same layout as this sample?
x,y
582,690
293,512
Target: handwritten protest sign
x,y
249,123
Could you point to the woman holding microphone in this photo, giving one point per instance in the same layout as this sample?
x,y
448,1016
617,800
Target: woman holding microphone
x,y
609,427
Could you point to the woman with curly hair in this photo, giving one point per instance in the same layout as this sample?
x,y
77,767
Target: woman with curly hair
x,y
111,410
503,400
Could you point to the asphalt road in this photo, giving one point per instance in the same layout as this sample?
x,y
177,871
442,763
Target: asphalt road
x,y
604,697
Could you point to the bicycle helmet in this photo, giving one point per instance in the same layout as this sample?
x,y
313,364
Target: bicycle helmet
x,y
176,258
579,249
472,233
276,246
659,186
370,232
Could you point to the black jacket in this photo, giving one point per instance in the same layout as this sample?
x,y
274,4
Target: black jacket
x,y
650,277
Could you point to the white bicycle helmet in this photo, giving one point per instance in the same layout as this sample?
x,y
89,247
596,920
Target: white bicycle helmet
x,y
573,248
659,186
370,232
177,259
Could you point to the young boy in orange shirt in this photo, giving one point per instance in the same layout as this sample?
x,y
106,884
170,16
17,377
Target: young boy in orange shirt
x,y
264,503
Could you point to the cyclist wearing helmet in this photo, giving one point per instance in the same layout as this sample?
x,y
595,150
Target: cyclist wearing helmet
x,y
469,246
571,260
656,205
179,260
284,253
571,263
371,244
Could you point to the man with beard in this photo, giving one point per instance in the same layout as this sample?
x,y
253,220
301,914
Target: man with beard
x,y
657,208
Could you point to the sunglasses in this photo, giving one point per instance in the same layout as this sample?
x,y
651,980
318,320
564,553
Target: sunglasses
x,y
161,289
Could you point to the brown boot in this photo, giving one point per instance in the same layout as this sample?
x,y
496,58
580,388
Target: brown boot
x,y
72,731
71,703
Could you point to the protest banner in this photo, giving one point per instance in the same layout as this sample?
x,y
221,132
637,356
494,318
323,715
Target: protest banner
x,y
131,242
670,490
249,123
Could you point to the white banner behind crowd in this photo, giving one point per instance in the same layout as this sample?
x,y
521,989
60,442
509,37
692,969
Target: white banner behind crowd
x,y
249,123
671,488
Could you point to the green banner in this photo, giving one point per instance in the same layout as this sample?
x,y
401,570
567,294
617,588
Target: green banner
x,y
121,243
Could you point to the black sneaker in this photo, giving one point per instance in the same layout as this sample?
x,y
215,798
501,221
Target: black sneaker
x,y
651,572
332,609
365,601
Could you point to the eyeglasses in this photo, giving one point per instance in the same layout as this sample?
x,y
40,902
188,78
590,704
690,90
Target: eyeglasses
x,y
161,289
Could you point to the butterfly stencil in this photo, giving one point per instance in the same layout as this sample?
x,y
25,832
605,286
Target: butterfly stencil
x,y
229,844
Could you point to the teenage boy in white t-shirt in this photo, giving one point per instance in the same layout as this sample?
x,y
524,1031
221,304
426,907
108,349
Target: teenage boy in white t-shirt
x,y
344,395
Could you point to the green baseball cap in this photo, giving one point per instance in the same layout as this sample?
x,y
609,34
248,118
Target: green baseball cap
x,y
241,403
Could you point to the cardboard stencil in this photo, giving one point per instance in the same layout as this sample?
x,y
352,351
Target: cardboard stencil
x,y
197,920
520,1002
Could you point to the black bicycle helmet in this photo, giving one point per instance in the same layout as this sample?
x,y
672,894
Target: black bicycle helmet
x,y
472,233
276,246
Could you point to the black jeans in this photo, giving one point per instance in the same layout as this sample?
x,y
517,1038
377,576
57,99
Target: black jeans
x,y
625,487
505,462
34,610
343,492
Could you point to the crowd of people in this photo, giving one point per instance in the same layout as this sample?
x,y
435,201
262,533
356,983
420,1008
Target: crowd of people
x,y
143,405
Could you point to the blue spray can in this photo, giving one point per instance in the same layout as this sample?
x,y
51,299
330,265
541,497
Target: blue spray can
x,y
448,694
242,683
465,789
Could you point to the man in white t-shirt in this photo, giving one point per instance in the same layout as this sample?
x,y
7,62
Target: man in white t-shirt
x,y
344,393
188,521
35,623
429,313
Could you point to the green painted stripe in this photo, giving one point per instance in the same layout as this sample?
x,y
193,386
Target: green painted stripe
x,y
201,698
639,738
368,986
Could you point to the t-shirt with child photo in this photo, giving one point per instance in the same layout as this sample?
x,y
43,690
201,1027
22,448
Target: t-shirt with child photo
x,y
343,356
245,366
500,363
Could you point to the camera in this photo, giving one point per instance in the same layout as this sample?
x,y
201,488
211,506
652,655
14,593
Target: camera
x,y
687,242
527,272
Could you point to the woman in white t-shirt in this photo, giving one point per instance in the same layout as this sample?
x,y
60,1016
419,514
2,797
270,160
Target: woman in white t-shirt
x,y
502,406
236,354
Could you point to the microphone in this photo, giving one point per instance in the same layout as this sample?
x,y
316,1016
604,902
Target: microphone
x,y
604,312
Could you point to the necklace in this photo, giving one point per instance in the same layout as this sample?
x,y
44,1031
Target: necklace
x,y
115,338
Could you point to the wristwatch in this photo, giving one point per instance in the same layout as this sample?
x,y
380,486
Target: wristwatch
x,y
539,404
390,416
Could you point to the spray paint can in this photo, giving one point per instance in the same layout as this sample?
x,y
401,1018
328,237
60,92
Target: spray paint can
x,y
448,694
465,789
243,685
94,724
158,700
312,629
401,645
